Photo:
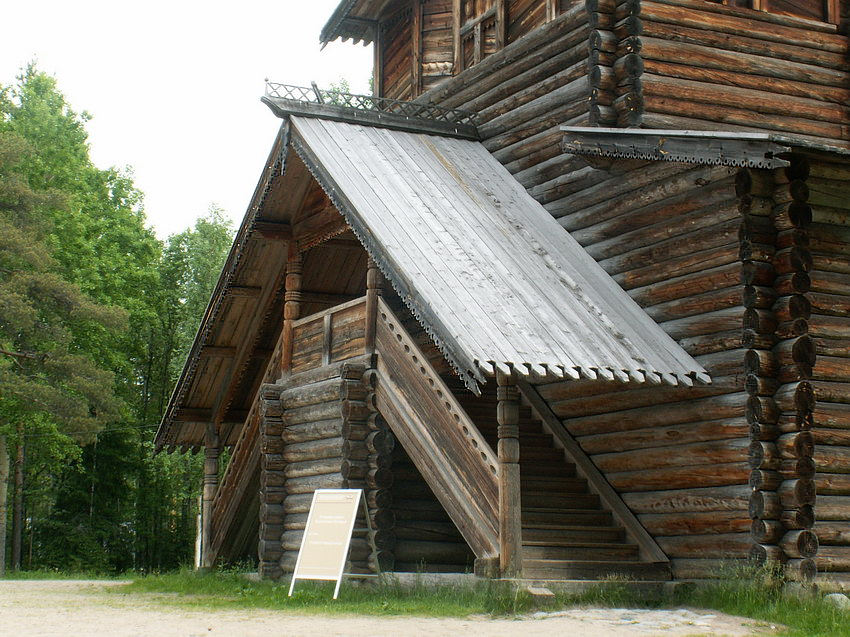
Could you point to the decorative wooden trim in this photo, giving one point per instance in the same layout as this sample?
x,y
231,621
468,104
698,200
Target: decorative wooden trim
x,y
510,506
291,308
374,285
649,549
210,488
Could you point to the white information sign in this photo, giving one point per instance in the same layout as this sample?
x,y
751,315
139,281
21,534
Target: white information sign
x,y
327,536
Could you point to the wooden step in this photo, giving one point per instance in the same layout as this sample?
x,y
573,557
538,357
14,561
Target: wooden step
x,y
554,485
535,454
557,501
538,440
586,569
595,551
564,535
541,469
564,518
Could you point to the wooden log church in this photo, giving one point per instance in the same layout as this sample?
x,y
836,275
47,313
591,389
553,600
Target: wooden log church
x,y
568,296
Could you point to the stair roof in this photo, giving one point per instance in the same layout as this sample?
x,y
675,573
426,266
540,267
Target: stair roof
x,y
492,277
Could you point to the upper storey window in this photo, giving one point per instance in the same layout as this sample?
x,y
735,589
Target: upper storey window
x,y
478,30
820,10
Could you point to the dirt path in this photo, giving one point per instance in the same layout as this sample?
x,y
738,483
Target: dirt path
x,y
82,608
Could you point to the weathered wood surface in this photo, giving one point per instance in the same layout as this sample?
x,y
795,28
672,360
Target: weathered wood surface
x,y
454,458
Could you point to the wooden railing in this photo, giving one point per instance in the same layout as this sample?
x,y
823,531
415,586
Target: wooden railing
x,y
440,438
335,334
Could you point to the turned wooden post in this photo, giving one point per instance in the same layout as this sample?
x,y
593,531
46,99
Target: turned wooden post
x,y
210,487
291,308
374,286
510,509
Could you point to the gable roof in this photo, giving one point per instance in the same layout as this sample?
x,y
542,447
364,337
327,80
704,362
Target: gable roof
x,y
492,277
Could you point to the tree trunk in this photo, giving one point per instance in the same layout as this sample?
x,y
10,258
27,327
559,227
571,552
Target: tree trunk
x,y
4,481
18,503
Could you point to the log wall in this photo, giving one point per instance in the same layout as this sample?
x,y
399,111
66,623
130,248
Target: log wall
x,y
309,423
669,235
818,364
691,64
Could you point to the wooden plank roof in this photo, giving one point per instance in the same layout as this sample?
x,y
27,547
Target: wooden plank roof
x,y
486,270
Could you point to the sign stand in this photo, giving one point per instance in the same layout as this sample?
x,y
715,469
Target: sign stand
x,y
327,536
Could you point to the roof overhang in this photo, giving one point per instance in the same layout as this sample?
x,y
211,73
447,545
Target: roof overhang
x,y
355,20
743,149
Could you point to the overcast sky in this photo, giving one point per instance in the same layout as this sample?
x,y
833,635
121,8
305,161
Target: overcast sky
x,y
175,86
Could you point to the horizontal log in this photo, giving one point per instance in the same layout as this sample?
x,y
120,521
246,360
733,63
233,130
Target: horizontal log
x,y
313,450
694,523
833,533
305,432
832,459
732,20
801,570
832,483
802,518
832,559
665,436
723,406
308,484
692,454
688,477
700,568
437,552
710,546
800,543
833,508
697,500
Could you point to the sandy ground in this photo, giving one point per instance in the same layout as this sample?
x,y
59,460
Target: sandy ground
x,y
81,608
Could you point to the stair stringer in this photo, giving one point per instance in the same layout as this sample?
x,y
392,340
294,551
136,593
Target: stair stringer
x,y
440,438
648,548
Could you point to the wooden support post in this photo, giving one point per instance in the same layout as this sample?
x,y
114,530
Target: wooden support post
x,y
374,285
510,508
416,47
551,10
457,23
291,308
377,62
501,24
210,487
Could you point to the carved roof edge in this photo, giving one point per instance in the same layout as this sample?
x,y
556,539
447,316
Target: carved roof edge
x,y
743,149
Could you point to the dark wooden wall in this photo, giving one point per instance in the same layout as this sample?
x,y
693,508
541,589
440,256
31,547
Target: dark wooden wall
x,y
681,240
695,64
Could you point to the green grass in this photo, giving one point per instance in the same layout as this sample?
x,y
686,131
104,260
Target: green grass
x,y
749,593
62,575
387,597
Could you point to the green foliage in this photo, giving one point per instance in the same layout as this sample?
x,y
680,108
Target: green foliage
x,y
96,317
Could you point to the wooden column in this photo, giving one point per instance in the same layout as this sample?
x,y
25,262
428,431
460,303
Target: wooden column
x,y
457,23
210,487
416,46
501,24
291,308
377,62
374,286
510,509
